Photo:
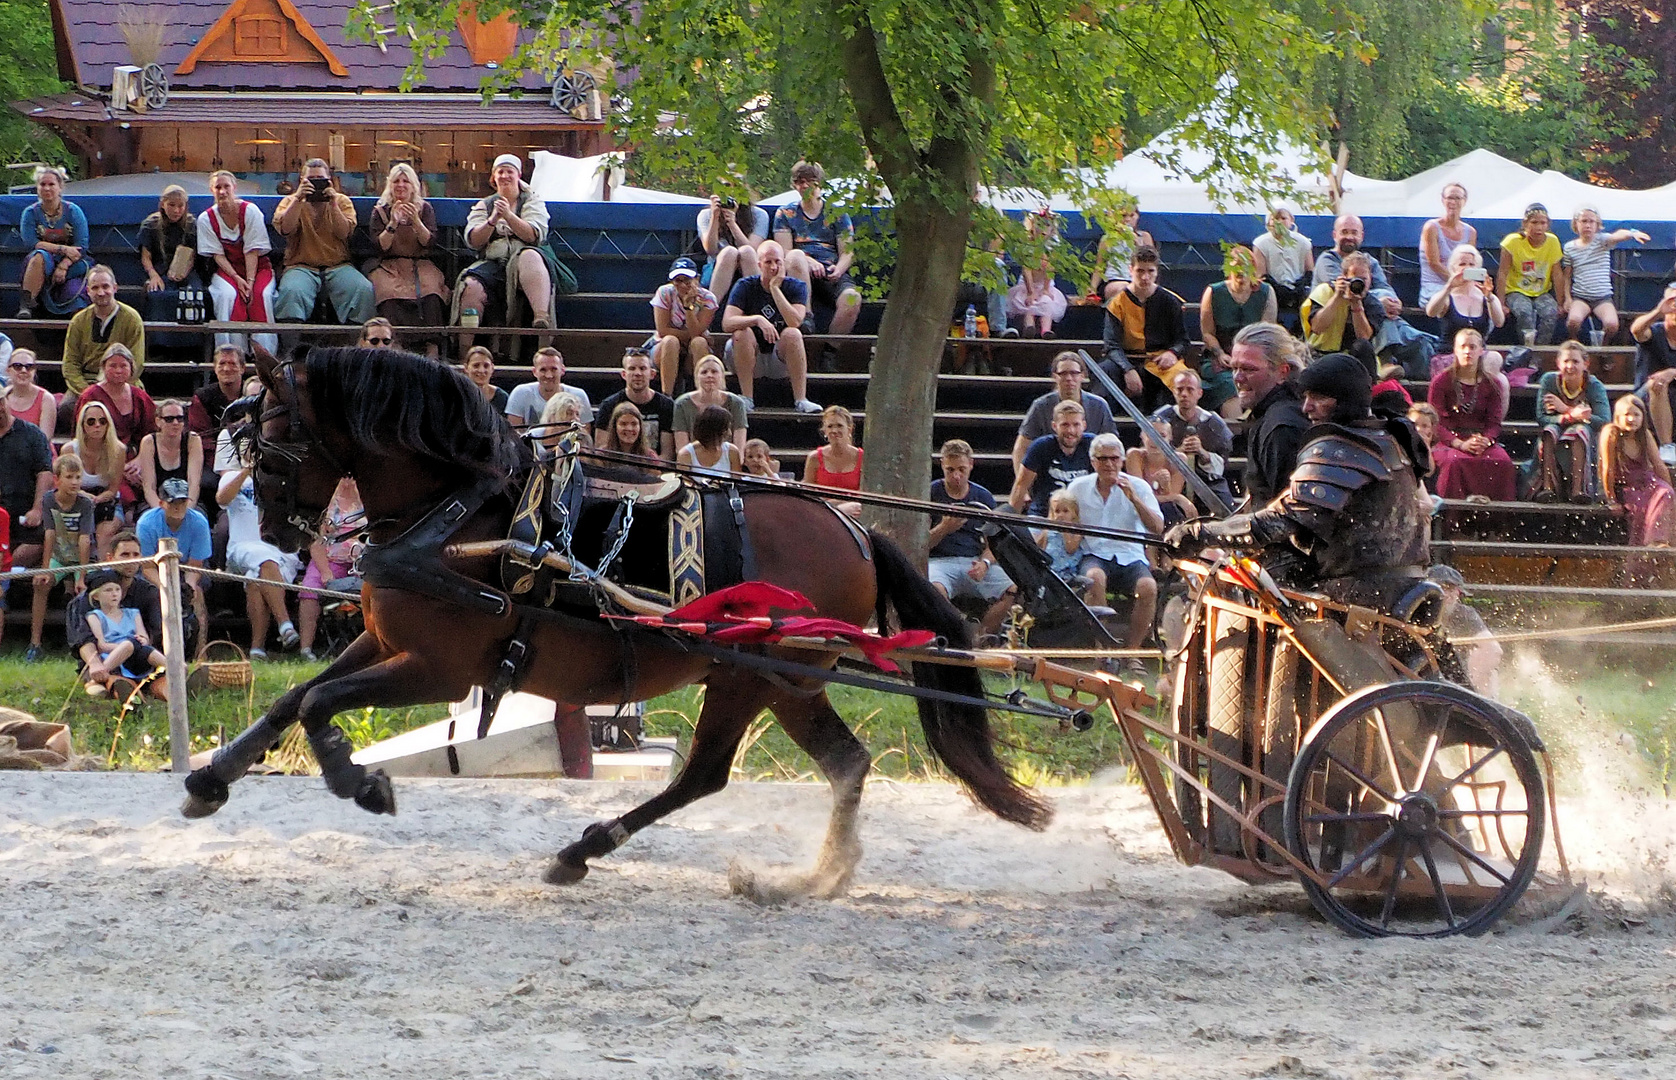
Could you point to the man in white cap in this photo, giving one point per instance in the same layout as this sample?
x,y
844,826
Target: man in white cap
x,y
185,524
316,222
508,230
682,311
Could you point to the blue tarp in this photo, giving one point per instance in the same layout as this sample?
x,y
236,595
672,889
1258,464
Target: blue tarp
x,y
625,247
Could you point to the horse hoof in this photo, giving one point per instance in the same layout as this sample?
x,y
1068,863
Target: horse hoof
x,y
377,796
560,872
204,794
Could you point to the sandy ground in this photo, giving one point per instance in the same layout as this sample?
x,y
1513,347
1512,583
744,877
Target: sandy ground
x,y
294,935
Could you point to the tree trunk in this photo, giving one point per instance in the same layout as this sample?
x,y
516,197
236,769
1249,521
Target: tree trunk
x,y
902,390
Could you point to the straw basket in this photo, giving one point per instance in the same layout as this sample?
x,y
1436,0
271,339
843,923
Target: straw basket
x,y
227,674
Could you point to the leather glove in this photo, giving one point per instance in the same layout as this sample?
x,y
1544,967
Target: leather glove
x,y
1191,537
1186,539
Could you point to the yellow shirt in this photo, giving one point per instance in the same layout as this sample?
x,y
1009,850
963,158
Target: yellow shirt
x,y
1530,270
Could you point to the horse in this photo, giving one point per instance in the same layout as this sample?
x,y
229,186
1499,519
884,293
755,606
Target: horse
x,y
424,446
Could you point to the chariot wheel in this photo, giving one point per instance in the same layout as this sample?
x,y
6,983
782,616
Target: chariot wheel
x,y
1420,806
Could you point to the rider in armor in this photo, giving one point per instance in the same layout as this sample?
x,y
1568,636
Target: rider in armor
x,y
1350,523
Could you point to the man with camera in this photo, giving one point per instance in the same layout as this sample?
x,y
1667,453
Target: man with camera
x,y
316,222
1339,312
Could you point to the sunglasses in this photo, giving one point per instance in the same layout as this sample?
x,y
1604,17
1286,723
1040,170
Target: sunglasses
x,y
90,421
21,367
379,340
1107,457
172,419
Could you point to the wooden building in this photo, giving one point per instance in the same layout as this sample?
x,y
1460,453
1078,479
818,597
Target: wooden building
x,y
259,86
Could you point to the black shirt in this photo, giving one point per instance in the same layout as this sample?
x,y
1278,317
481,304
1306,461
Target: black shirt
x,y
1054,468
1654,354
965,542
656,416
161,237
24,455
1276,429
749,296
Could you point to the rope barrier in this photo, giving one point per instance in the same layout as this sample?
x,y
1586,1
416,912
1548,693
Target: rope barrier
x,y
289,586
157,560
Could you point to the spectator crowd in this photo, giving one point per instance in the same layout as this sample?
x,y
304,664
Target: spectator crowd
x,y
103,467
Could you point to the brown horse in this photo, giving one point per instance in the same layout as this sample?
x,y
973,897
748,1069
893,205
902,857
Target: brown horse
x,y
425,447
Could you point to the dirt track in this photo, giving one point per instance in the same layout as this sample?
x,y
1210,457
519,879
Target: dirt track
x,y
294,935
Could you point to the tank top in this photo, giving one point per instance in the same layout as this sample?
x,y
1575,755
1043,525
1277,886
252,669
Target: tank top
x,y
33,413
1430,283
1231,316
176,473
723,465
121,630
850,481
1453,322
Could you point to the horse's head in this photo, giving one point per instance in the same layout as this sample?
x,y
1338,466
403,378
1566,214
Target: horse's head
x,y
295,471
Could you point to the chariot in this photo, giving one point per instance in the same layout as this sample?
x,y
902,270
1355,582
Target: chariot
x,y
1340,747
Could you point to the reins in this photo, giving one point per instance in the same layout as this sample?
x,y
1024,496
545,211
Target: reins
x,y
869,498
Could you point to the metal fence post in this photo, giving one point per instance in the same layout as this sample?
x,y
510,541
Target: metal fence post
x,y
174,652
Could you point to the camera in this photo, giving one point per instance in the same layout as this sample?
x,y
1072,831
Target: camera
x,y
1475,273
730,203
1358,286
320,189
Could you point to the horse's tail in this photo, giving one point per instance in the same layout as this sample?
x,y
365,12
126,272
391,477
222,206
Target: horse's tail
x,y
958,734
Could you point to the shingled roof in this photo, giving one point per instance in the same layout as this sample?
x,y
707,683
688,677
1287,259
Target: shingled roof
x,y
91,44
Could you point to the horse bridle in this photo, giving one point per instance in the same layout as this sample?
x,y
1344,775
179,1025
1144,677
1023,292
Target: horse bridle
x,y
300,442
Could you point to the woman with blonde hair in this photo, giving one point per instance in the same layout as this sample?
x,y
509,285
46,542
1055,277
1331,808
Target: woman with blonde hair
x,y
234,234
561,419
28,400
103,457
1633,477
407,286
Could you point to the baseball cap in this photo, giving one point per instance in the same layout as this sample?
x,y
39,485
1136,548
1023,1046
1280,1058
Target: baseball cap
x,y
174,489
1447,575
682,267
100,577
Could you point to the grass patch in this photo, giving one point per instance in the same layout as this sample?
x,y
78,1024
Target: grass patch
x,y
1577,707
51,690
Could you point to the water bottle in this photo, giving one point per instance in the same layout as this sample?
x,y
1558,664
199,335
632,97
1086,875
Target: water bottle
x,y
971,325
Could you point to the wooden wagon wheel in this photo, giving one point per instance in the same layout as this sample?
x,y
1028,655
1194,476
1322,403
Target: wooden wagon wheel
x,y
1421,806
573,90
154,86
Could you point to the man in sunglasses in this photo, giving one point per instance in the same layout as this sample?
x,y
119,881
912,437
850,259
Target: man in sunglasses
x,y
377,333
1112,499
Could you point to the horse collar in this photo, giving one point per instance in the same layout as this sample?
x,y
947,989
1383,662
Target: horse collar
x,y
413,560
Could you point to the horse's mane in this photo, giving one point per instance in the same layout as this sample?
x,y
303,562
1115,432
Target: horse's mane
x,y
385,399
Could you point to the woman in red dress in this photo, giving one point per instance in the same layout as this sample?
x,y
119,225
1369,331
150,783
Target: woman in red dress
x,y
1470,463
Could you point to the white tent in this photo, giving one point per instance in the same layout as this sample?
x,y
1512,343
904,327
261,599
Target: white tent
x,y
1501,189
557,178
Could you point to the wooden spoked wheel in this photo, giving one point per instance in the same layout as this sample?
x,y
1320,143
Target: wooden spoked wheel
x,y
1420,806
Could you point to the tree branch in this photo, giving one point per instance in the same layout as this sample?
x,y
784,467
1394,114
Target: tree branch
x,y
881,123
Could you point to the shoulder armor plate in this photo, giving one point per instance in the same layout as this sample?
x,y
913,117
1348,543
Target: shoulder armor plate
x,y
1372,453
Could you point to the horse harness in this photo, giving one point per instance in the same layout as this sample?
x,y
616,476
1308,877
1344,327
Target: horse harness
x,y
704,540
